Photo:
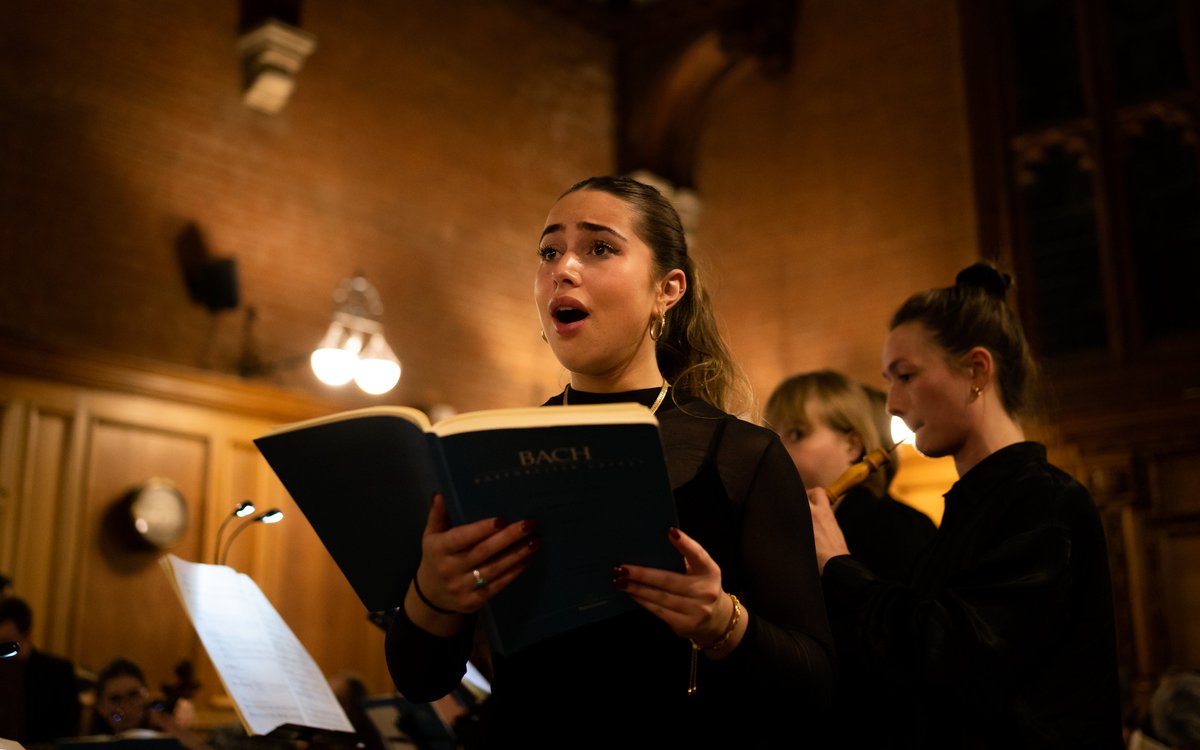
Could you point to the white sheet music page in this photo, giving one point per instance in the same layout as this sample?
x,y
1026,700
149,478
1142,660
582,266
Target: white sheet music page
x,y
269,675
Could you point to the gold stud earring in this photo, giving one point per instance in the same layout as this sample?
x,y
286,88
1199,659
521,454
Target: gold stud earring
x,y
543,332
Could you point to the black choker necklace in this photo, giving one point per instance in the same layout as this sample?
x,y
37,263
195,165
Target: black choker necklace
x,y
662,393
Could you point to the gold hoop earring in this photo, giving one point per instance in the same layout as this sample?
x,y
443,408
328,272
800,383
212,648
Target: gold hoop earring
x,y
661,320
543,332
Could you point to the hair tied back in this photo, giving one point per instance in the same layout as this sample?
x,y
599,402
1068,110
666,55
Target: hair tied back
x,y
984,276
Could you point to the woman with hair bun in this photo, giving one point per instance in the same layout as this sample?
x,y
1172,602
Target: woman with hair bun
x,y
1003,636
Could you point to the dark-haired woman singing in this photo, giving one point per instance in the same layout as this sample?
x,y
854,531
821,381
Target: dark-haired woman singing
x,y
1003,637
622,309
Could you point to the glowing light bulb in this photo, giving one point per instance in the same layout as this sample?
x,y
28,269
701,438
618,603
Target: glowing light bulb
x,y
378,369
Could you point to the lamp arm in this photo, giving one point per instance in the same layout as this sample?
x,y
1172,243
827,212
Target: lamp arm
x,y
234,535
220,531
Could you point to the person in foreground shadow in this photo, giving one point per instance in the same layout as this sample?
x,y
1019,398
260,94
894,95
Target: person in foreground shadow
x,y
622,309
1003,637
39,695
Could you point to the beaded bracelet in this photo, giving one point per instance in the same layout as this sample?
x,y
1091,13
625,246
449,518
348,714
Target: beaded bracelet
x,y
697,648
431,605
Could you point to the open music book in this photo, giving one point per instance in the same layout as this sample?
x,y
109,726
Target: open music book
x,y
593,478
274,684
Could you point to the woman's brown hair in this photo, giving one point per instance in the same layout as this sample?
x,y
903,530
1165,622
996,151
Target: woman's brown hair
x,y
692,354
973,313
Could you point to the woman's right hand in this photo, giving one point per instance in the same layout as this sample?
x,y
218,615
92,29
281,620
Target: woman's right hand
x,y
454,559
827,534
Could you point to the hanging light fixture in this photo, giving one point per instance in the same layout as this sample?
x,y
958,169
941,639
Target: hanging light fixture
x,y
354,347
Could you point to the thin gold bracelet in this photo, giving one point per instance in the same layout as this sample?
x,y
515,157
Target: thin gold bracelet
x,y
697,648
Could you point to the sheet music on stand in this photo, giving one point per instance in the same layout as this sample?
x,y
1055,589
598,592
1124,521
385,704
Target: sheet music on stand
x,y
276,687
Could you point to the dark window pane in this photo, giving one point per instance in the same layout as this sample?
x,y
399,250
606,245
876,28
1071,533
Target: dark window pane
x,y
1164,213
1061,215
1047,62
1147,49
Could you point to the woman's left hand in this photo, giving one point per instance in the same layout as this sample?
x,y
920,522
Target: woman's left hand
x,y
692,603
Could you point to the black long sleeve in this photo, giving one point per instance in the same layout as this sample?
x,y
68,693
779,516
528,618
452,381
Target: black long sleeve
x,y
1004,636
787,649
624,680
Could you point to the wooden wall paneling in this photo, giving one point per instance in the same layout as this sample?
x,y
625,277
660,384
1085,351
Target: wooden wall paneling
x,y
1111,475
1177,481
1145,484
126,604
1173,478
1132,599
72,449
42,467
210,480
47,521
1180,560
12,444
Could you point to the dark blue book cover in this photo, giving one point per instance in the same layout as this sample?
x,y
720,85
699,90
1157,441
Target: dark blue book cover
x,y
593,478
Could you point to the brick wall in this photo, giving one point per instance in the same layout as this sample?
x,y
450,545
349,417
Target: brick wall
x,y
423,145
833,193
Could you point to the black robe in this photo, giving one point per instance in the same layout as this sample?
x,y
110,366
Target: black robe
x,y
623,682
1004,635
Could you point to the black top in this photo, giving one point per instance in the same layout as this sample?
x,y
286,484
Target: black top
x,y
1004,635
623,682
883,533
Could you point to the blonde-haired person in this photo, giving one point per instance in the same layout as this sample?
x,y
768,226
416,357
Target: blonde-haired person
x,y
827,422
1004,636
622,309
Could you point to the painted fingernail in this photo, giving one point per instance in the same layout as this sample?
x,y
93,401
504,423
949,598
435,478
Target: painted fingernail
x,y
501,522
619,572
621,583
534,543
673,533
528,525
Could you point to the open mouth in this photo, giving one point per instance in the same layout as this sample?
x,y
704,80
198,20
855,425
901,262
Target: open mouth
x,y
569,315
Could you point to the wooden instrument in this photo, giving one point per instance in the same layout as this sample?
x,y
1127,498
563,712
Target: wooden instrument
x,y
858,473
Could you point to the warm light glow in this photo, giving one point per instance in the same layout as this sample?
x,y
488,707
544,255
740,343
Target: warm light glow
x,y
334,366
378,369
900,431
353,347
